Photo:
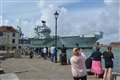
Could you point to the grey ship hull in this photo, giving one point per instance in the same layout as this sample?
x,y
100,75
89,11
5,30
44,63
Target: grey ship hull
x,y
73,41
43,39
69,41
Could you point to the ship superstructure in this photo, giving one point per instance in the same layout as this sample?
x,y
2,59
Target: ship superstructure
x,y
43,39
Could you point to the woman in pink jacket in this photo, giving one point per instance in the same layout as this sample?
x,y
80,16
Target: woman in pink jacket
x,y
78,67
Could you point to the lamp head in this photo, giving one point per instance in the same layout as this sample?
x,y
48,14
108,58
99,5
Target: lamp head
x,y
56,14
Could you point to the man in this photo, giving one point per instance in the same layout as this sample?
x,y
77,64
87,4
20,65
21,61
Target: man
x,y
31,54
63,56
52,51
44,52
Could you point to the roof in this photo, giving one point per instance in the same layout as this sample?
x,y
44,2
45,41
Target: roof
x,y
7,29
115,44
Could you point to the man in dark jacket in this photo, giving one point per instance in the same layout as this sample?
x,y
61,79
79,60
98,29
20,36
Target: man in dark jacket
x,y
63,56
31,54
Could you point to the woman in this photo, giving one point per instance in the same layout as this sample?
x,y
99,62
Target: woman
x,y
108,57
78,65
96,67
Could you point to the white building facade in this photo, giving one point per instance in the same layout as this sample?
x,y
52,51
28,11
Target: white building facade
x,y
9,38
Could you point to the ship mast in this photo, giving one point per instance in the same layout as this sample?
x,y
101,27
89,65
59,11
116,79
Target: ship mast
x,y
42,32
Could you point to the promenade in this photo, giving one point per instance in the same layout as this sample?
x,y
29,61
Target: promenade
x,y
38,69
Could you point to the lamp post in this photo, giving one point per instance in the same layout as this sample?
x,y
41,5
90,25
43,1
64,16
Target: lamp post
x,y
56,14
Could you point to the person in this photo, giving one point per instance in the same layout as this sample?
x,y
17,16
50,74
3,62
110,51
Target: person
x,y
52,53
78,68
63,56
44,52
49,54
40,52
96,67
108,58
55,53
31,54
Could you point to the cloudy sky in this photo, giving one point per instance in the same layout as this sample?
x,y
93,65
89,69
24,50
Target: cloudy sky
x,y
76,16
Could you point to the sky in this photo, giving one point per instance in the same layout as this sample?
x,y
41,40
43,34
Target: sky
x,y
75,16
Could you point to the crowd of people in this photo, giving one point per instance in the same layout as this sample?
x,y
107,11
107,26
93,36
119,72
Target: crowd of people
x,y
51,53
78,61
45,53
78,64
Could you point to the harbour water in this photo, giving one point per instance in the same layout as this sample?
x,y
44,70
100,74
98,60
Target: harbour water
x,y
88,52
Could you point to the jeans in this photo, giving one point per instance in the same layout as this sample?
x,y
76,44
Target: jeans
x,y
52,57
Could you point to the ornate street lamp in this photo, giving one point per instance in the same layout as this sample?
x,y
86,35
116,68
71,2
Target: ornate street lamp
x,y
56,14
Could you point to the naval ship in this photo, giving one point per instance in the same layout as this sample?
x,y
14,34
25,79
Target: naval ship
x,y
44,39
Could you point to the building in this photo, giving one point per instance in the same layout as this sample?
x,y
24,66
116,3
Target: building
x,y
115,44
9,37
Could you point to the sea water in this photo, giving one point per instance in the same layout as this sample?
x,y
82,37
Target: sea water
x,y
88,52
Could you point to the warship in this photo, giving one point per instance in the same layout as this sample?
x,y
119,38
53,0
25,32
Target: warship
x,y
44,39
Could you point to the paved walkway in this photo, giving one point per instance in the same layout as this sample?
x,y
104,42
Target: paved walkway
x,y
38,69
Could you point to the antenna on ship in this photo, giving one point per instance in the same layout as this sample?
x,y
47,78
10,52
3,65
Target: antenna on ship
x,y
19,28
20,33
42,31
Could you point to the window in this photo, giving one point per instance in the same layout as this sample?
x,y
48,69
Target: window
x,y
2,47
1,33
13,34
13,41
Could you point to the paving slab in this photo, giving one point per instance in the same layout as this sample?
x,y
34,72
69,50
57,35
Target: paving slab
x,y
38,69
9,76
